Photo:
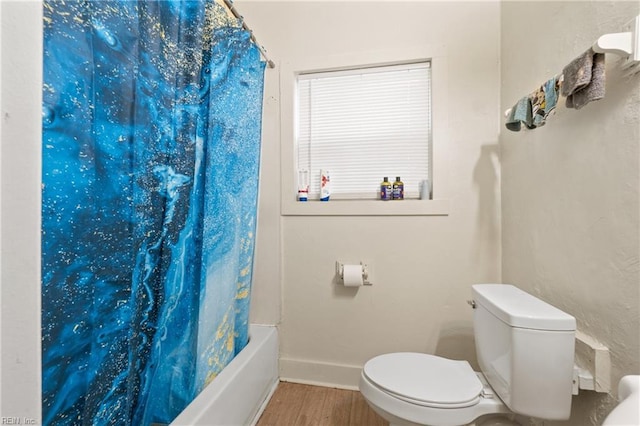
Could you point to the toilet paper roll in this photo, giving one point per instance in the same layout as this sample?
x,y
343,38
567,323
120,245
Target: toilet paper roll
x,y
352,275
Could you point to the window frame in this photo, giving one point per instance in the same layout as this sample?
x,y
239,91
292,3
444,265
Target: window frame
x,y
289,71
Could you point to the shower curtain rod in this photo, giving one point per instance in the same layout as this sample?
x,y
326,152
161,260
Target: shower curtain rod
x,y
235,12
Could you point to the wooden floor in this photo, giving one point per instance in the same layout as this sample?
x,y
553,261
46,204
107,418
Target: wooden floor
x,y
294,404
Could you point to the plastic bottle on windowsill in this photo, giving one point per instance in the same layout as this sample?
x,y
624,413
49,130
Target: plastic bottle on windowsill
x,y
398,189
386,190
325,185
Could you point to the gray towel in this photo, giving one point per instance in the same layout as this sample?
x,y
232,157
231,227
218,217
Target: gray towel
x,y
584,79
594,90
578,73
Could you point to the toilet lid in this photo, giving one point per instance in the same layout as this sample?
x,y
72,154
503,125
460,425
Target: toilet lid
x,y
425,379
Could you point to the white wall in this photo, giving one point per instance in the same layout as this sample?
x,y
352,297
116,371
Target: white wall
x,y
0,202
423,266
20,139
570,189
265,290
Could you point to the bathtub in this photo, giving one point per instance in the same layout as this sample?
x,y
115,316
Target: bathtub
x,y
240,392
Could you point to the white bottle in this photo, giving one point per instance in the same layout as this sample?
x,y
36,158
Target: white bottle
x,y
325,185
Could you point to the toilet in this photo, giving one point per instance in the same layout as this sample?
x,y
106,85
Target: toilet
x,y
525,349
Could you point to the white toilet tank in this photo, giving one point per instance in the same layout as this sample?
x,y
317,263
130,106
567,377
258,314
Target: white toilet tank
x,y
525,348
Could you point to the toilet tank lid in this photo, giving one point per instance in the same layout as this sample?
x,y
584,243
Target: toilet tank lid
x,y
520,309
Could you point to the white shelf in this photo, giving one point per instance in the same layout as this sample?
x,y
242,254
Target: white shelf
x,y
366,208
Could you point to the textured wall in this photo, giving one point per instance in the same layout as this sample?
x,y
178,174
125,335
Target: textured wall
x,y
570,189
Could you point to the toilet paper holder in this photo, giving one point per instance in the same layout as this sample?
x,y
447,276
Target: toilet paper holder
x,y
365,272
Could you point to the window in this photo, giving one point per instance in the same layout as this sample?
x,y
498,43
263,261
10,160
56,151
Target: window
x,y
364,124
297,68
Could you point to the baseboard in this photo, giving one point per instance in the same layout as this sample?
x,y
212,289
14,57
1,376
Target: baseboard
x,y
320,373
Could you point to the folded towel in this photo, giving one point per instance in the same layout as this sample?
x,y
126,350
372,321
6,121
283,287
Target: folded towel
x,y
594,90
578,73
520,113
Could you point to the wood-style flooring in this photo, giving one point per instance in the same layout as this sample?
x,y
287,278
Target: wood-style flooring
x,y
294,404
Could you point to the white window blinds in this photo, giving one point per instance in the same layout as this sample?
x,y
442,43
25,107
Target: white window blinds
x,y
365,124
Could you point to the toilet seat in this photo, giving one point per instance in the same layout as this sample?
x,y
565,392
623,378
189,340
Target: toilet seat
x,y
425,380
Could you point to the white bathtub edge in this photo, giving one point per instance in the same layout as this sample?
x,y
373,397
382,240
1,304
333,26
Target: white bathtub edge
x,y
238,393
265,403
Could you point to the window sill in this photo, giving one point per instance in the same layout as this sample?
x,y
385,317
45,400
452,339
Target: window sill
x,y
366,208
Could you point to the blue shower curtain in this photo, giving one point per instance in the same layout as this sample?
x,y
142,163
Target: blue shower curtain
x,y
151,146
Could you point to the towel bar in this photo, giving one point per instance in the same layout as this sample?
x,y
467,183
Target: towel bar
x,y
625,44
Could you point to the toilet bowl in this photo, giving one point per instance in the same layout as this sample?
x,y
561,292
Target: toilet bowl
x,y
427,389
